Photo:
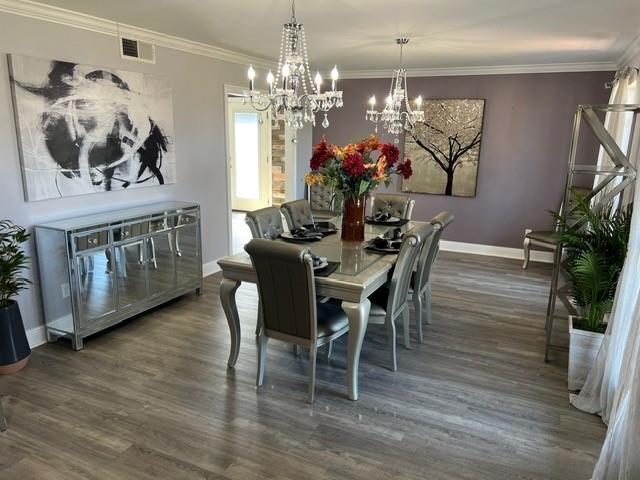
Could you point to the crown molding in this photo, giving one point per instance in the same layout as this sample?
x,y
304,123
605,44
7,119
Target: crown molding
x,y
630,53
486,70
62,16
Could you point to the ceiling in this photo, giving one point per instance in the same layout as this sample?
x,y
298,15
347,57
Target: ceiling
x,y
359,34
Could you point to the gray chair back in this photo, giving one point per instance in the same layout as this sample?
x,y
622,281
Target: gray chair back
x,y
265,223
394,204
297,213
285,287
320,197
401,278
430,250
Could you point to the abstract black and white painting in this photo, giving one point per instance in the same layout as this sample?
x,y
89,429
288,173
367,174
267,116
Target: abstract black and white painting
x,y
84,129
445,148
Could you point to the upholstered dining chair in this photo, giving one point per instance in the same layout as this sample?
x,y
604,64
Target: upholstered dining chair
x,y
395,204
265,223
297,213
290,312
420,290
322,200
389,302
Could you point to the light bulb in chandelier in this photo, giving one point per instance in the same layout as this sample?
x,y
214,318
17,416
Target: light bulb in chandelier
x,y
270,80
419,102
318,81
286,70
334,77
251,73
389,100
372,101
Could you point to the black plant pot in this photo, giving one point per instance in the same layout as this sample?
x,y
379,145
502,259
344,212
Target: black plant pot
x,y
14,346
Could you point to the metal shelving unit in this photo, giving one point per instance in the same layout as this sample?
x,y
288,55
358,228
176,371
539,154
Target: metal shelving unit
x,y
600,195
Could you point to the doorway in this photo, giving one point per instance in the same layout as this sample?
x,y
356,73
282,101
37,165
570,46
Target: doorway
x,y
249,141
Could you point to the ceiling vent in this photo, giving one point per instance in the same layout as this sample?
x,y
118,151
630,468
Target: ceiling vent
x,y
136,50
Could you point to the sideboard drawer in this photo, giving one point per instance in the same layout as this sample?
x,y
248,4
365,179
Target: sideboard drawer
x,y
91,240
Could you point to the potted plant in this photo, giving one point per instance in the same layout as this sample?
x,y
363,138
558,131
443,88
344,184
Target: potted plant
x,y
14,347
354,170
596,245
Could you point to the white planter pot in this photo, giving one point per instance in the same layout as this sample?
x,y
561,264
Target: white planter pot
x,y
583,348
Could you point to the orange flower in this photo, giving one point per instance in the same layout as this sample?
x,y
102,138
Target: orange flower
x,y
313,178
381,169
368,144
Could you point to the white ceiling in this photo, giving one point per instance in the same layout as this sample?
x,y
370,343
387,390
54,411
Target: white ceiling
x,y
359,34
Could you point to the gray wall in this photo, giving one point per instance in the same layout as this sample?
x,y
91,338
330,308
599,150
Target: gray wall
x,y
199,133
527,126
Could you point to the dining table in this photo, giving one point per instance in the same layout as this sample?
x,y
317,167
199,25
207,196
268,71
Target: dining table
x,y
361,272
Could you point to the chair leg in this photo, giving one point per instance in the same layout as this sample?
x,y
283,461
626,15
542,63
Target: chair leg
x,y
417,309
259,320
391,333
405,327
329,350
262,359
3,419
313,353
426,305
526,245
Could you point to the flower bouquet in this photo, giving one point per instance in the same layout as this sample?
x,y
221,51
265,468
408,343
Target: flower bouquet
x,y
354,170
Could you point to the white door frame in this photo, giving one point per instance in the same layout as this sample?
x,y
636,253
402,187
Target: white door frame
x,y
290,160
265,173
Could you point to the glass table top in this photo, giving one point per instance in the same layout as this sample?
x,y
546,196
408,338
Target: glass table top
x,y
352,256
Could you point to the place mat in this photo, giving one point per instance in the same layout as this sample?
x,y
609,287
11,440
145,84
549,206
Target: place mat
x,y
372,246
328,270
399,223
288,237
325,228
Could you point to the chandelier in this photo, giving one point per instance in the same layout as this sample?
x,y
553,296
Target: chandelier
x,y
394,120
292,93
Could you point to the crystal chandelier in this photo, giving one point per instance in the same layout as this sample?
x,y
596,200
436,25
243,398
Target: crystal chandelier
x,y
292,93
392,117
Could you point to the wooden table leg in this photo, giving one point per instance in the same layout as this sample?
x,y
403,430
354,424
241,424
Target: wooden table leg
x,y
358,314
228,298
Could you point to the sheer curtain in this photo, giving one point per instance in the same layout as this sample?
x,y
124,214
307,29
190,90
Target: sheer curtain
x,y
625,90
612,388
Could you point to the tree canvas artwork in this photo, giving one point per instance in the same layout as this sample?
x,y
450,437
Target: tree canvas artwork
x,y
84,129
445,148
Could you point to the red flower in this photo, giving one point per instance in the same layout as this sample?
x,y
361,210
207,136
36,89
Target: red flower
x,y
353,164
390,151
321,153
404,169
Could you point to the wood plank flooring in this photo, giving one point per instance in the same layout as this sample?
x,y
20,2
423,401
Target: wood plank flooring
x,y
152,398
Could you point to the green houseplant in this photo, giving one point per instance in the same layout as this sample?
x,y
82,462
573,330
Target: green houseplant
x,y
596,245
595,241
14,347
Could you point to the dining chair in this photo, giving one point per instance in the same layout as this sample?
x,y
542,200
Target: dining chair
x,y
265,223
322,201
395,204
420,290
290,312
297,213
390,301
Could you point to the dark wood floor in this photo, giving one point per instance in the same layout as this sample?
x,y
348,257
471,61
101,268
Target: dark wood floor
x,y
153,398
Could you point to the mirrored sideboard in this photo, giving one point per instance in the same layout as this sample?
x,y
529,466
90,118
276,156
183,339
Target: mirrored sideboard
x,y
98,270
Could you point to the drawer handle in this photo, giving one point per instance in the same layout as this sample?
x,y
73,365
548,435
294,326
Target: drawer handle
x,y
93,241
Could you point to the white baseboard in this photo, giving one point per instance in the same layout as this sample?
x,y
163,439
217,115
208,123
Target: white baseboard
x,y
494,251
210,268
36,336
